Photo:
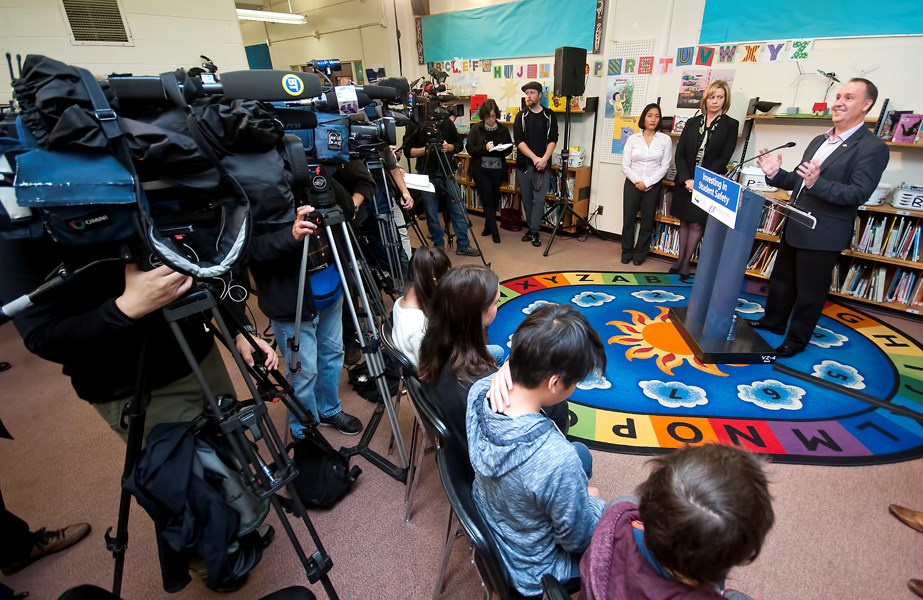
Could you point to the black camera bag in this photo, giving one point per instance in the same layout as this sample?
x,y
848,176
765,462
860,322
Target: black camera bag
x,y
324,475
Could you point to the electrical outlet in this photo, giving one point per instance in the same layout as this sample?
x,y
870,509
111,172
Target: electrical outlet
x,y
599,210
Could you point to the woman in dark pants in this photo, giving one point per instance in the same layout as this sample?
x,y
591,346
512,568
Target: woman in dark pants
x,y
708,140
487,166
645,161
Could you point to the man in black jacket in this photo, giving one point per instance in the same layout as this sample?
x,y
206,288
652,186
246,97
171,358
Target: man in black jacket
x,y
418,145
838,173
94,326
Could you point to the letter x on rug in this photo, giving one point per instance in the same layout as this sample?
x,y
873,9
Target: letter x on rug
x,y
833,404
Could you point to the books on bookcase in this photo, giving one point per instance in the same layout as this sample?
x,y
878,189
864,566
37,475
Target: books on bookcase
x,y
907,128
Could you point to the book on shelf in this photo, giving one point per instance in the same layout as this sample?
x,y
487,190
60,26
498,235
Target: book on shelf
x,y
679,123
890,123
916,296
907,128
835,278
879,125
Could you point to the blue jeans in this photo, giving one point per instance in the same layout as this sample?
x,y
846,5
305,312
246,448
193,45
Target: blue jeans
x,y
321,354
496,352
432,202
586,459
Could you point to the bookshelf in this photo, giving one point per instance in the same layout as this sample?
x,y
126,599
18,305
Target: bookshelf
x,y
578,186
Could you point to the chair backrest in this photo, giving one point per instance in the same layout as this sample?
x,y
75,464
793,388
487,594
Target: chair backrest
x,y
406,365
554,589
457,478
426,410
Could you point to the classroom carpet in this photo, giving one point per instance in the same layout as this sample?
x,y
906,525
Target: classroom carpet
x,y
853,397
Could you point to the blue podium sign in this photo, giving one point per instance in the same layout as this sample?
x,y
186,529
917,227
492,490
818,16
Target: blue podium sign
x,y
717,195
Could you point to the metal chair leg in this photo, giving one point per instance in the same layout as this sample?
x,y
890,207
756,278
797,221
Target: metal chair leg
x,y
452,532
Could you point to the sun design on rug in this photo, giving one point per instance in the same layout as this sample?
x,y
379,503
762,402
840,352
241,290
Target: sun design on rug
x,y
658,338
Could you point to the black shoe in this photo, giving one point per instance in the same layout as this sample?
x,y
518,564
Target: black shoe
x,y
759,324
496,235
674,269
626,259
48,542
469,251
786,350
342,422
527,237
638,262
536,241
352,355
485,233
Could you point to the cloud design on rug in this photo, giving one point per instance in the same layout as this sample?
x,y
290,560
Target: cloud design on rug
x,y
536,305
771,394
748,307
826,338
588,299
674,394
657,296
595,381
845,375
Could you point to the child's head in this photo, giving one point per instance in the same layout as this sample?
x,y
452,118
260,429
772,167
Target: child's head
x,y
465,301
427,267
705,510
555,340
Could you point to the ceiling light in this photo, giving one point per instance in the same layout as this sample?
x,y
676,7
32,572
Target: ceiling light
x,y
244,14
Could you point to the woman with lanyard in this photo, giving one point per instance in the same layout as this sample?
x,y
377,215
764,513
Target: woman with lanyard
x,y
487,166
708,140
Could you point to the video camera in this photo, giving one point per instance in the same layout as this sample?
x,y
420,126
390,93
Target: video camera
x,y
431,105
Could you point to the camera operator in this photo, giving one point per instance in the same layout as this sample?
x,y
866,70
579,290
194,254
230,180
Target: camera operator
x,y
274,257
96,324
423,141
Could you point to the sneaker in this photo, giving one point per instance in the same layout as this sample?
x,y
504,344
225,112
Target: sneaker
x,y
342,422
49,542
352,355
536,241
469,251
527,237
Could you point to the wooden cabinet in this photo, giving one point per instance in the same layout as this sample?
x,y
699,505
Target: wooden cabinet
x,y
882,267
578,186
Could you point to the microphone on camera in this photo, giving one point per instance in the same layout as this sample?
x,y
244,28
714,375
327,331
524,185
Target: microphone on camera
x,y
269,84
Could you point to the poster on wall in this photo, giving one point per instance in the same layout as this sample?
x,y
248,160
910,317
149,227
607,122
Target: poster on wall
x,y
619,96
622,129
694,82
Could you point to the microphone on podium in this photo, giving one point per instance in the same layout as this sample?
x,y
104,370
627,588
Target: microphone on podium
x,y
734,172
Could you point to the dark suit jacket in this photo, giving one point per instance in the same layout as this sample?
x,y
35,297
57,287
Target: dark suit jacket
x,y
847,179
718,151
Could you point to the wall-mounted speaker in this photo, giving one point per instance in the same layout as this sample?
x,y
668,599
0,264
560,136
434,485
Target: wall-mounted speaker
x,y
569,71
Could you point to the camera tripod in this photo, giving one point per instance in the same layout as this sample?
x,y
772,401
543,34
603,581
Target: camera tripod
x,y
434,148
256,451
327,215
562,205
388,236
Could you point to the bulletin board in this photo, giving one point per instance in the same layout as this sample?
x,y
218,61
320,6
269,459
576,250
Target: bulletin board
x,y
632,49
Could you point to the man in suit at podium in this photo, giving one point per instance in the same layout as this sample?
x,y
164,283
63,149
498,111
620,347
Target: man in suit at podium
x,y
837,174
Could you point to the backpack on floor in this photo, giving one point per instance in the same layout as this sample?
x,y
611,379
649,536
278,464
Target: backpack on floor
x,y
324,475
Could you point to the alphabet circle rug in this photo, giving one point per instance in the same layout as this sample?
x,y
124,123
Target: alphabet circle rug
x,y
828,405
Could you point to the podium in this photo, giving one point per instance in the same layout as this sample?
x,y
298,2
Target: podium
x,y
709,325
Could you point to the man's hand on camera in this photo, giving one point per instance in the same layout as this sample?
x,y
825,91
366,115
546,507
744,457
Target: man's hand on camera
x,y
147,291
246,351
358,199
447,147
301,227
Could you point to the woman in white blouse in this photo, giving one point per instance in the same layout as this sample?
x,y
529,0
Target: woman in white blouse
x,y
645,161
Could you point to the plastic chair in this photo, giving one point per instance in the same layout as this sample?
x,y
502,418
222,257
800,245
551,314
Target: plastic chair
x,y
554,589
457,477
428,424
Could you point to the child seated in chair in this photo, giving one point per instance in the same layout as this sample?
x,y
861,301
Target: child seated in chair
x,y
530,483
702,511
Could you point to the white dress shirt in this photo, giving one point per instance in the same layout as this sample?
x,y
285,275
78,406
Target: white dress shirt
x,y
649,164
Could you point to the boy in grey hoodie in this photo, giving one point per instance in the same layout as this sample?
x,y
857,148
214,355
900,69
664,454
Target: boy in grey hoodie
x,y
530,484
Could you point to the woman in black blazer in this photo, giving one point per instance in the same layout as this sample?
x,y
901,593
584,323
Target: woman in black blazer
x,y
487,167
708,140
